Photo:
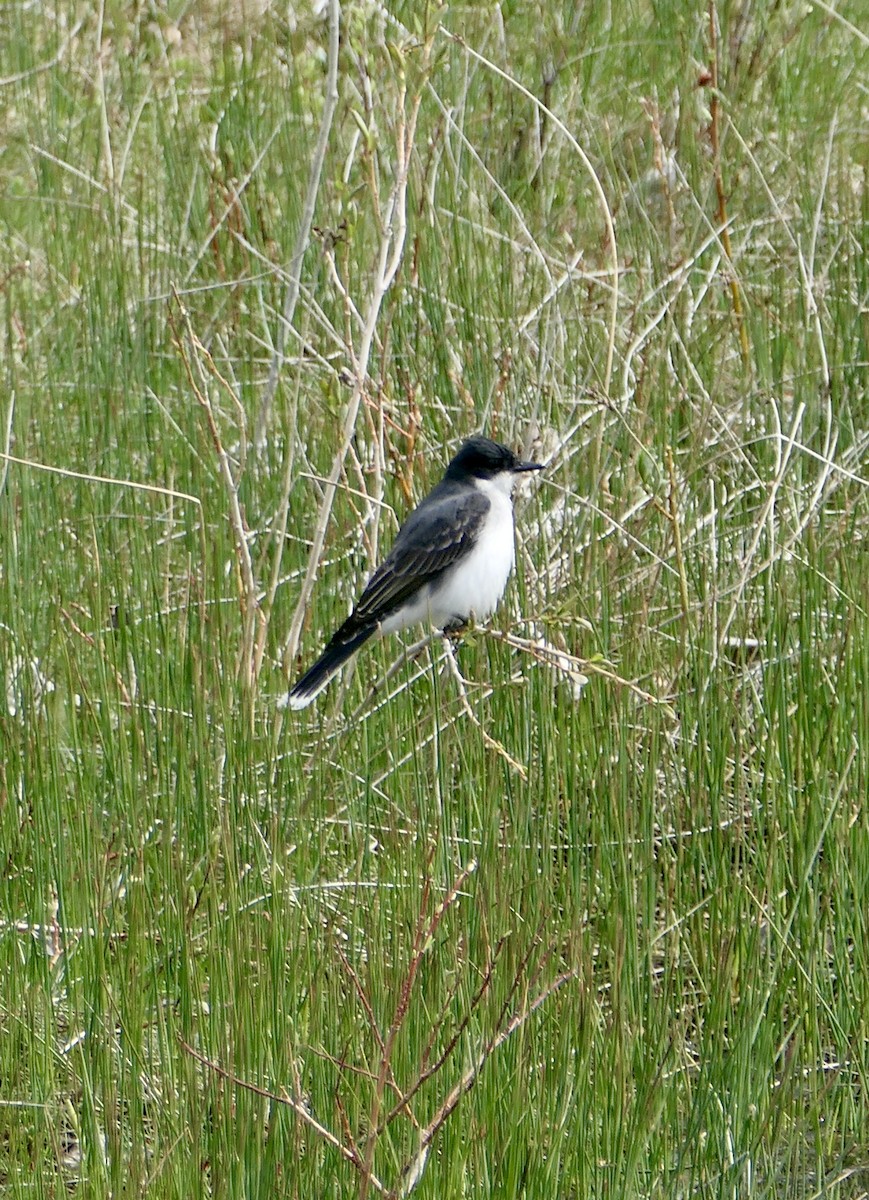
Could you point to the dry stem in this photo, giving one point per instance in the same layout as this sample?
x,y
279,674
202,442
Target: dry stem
x,y
714,110
291,295
394,224
253,620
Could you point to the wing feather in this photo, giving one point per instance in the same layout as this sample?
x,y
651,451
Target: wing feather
x,y
452,524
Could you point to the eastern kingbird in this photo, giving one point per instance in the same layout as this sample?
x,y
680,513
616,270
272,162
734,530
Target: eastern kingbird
x,y
450,561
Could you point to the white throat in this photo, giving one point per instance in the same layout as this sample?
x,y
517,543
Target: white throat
x,y
503,483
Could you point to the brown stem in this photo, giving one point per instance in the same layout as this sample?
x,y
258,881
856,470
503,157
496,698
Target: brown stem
x,y
297,1106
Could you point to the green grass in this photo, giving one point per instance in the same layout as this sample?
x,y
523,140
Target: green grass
x,y
629,925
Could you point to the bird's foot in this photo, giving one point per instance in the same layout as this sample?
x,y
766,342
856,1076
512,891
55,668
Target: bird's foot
x,y
457,627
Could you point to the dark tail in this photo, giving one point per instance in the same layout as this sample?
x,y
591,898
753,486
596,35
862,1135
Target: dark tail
x,y
341,647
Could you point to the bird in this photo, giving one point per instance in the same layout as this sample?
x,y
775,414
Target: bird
x,y
449,563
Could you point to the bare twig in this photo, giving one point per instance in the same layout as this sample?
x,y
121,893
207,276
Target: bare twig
x,y
278,535
766,512
252,616
675,523
552,656
363,996
407,655
837,16
714,134
428,1072
412,1169
361,1156
291,294
394,224
105,135
91,641
7,442
50,63
297,1106
154,488
596,184
425,930
489,741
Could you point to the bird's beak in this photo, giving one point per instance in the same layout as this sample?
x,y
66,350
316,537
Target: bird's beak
x,y
528,466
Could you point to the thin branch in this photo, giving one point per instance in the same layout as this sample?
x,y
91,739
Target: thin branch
x,y
436,1066
837,16
388,261
553,657
296,1105
672,512
363,997
596,183
719,183
490,742
7,442
291,295
470,1076
385,1072
766,513
251,613
105,133
50,63
89,478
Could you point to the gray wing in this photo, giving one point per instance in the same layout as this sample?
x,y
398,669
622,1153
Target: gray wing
x,y
451,523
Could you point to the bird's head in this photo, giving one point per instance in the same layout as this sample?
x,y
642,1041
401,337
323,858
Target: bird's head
x,y
481,458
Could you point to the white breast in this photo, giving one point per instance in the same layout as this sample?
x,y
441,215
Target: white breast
x,y
478,581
